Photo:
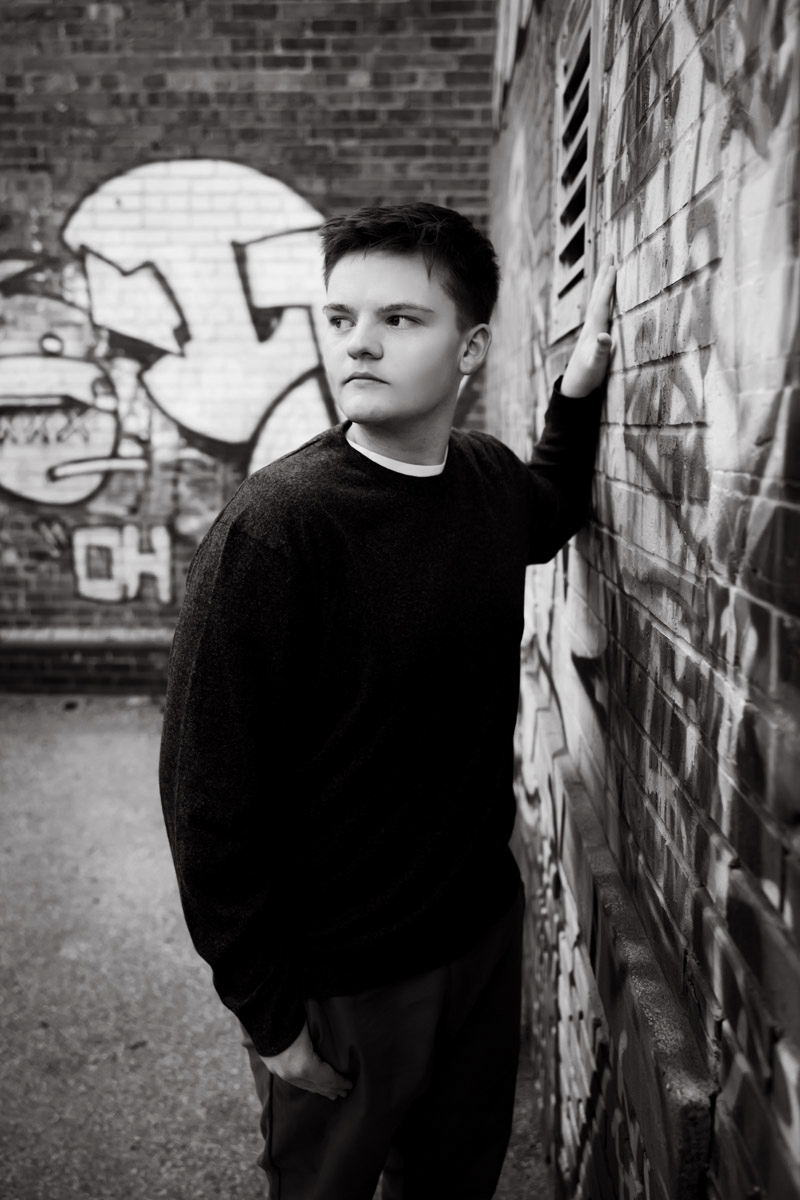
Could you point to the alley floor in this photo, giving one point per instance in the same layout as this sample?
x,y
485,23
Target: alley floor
x,y
122,1076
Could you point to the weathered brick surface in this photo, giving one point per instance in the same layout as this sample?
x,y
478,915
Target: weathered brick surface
x,y
162,170
70,664
661,648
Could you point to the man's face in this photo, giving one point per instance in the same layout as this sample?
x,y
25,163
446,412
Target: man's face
x,y
388,320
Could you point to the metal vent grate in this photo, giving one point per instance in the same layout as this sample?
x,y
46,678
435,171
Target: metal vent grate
x,y
572,161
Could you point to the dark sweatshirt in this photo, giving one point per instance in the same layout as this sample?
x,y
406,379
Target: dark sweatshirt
x,y
337,750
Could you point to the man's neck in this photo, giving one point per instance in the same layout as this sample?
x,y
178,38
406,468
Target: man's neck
x,y
425,447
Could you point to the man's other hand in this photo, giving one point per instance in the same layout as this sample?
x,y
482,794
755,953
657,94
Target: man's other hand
x,y
300,1066
588,365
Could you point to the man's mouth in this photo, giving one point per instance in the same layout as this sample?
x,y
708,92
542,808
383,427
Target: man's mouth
x,y
363,375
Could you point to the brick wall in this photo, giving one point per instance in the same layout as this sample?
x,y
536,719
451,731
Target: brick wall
x,y
660,710
163,167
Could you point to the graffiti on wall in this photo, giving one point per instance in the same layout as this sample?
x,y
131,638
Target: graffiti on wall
x,y
705,433
180,332
732,335
666,641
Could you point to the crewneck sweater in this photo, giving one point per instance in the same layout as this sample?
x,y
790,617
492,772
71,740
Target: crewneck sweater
x,y
337,750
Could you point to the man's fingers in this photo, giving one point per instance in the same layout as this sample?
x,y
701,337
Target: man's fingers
x,y
602,297
604,350
328,1093
331,1076
323,1080
331,1091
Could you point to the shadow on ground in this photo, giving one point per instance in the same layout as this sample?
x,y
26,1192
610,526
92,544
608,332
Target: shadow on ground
x,y
122,1076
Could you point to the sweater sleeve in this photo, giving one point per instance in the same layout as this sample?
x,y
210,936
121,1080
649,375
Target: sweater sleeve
x,y
560,471
230,723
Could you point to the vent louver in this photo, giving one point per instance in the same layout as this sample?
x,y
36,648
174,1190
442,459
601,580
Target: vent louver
x,y
572,166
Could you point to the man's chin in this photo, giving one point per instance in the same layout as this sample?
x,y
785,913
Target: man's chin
x,y
377,411
369,414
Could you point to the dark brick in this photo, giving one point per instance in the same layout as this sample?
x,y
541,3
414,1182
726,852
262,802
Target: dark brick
x,y
451,42
454,6
467,79
342,26
283,62
306,44
254,12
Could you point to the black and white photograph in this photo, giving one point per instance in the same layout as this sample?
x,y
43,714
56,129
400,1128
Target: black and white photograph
x,y
400,600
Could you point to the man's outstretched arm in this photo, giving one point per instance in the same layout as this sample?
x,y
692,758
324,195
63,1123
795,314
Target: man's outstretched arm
x,y
563,459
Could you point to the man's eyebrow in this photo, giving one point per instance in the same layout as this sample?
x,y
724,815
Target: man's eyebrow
x,y
385,308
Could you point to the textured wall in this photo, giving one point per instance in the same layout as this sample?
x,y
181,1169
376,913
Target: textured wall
x,y
163,168
660,715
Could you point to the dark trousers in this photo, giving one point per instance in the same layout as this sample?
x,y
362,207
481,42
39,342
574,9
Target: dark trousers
x,y
434,1063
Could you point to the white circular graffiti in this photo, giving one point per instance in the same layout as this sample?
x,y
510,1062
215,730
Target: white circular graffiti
x,y
183,256
209,275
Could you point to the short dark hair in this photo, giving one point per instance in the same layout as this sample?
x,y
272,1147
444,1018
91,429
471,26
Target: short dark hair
x,y
448,242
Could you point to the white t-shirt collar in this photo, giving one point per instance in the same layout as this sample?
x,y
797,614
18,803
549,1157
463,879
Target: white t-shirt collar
x,y
403,468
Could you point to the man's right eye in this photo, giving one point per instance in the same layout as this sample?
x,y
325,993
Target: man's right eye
x,y
339,322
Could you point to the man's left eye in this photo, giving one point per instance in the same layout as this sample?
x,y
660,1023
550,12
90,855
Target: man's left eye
x,y
397,317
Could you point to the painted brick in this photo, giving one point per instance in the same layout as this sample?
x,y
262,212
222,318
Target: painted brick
x,y
741,1101
765,946
270,116
738,997
785,1096
733,1174
667,634
791,897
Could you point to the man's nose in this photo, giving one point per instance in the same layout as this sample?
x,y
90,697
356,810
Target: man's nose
x,y
364,339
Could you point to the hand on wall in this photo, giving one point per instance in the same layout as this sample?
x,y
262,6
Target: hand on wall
x,y
588,365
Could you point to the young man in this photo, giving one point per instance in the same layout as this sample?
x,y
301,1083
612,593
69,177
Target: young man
x,y
336,769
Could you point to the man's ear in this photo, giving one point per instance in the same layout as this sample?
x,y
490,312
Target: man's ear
x,y
476,346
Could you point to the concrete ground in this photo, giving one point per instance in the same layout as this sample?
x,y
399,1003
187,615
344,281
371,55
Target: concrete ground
x,y
121,1075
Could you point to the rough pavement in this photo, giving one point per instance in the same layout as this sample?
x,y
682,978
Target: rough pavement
x,y
122,1076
